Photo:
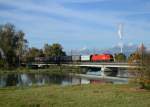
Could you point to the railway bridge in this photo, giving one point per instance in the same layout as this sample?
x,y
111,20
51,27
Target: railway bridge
x,y
116,68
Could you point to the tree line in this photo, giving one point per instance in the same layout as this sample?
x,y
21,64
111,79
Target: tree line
x,y
14,48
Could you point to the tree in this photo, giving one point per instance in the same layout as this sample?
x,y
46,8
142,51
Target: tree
x,y
21,45
2,61
12,43
134,57
144,76
142,72
54,50
120,57
32,53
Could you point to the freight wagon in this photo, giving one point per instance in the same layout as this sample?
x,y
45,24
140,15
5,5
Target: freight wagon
x,y
65,59
76,58
86,58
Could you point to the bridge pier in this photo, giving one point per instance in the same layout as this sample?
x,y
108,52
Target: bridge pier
x,y
103,71
122,72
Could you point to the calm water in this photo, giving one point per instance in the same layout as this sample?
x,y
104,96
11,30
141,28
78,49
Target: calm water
x,y
29,79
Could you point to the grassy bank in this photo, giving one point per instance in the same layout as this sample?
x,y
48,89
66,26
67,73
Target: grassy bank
x,y
104,95
51,70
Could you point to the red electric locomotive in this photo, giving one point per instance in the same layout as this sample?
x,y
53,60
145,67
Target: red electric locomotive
x,y
102,57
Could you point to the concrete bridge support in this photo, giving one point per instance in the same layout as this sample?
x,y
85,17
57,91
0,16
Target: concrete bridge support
x,y
103,71
122,72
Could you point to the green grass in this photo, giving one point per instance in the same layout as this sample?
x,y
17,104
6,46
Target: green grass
x,y
97,95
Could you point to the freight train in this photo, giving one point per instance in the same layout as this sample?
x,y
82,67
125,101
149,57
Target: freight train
x,y
76,58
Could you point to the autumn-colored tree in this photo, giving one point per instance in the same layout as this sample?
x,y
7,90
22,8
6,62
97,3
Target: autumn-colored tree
x,y
142,71
134,57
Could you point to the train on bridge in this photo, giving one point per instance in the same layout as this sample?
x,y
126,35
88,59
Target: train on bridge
x,y
76,58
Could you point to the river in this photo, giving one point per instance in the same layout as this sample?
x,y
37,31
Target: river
x,y
30,79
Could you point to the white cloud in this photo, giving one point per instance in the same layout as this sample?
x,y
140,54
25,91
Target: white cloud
x,y
60,10
56,8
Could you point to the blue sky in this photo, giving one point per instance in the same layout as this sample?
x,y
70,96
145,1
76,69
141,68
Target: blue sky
x,y
79,24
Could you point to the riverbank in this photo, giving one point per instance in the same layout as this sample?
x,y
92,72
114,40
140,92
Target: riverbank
x,y
97,95
58,70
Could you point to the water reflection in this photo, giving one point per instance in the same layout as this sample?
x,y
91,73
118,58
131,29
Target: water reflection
x,y
29,79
